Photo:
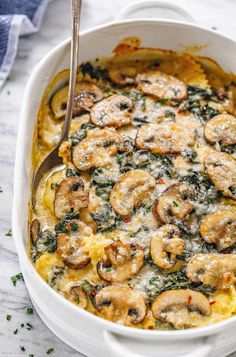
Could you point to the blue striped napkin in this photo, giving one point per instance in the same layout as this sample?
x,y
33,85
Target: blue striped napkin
x,y
17,17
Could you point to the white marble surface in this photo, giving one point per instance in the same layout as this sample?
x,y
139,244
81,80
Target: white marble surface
x,y
56,27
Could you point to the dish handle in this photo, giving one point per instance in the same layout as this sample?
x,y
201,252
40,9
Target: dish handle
x,y
154,9
119,349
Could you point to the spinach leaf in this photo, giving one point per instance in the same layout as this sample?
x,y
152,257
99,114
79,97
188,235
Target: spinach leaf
x,y
105,218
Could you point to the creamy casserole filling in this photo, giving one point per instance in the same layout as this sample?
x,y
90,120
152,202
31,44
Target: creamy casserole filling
x,y
139,224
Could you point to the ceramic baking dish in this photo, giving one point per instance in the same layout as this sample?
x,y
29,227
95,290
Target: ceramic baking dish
x,y
83,331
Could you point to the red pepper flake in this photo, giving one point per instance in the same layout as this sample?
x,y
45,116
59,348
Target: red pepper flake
x,y
127,219
151,327
161,181
212,302
93,292
189,299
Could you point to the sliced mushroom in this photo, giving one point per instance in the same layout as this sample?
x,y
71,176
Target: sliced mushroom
x,y
164,138
97,148
78,296
70,196
217,270
35,230
86,94
120,262
221,128
179,307
70,248
122,304
131,190
221,168
161,85
174,203
122,74
219,228
112,111
165,245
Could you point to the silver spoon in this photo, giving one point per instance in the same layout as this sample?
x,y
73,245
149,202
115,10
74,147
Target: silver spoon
x,y
53,159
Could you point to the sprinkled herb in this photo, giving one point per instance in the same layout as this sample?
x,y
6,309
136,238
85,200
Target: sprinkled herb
x,y
15,332
29,326
31,355
54,185
22,348
9,233
1,189
22,325
78,300
8,317
29,310
163,101
50,350
70,173
175,204
16,277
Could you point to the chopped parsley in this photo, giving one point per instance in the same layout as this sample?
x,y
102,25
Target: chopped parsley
x,y
29,310
16,277
163,101
16,331
50,350
8,317
54,185
29,326
22,348
78,299
9,233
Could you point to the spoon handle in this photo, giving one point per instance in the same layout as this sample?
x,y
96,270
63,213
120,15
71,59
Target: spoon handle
x,y
75,14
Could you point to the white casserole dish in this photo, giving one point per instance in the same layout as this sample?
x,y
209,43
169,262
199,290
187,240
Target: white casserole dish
x,y
83,331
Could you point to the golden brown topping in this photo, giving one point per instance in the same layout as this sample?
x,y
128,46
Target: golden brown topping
x,y
131,190
97,148
221,128
178,307
120,262
221,168
164,138
69,245
174,203
121,304
219,228
161,85
165,245
70,196
86,94
217,270
112,111
78,296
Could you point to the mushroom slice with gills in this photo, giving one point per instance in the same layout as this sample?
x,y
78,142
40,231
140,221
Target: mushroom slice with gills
x,y
35,230
174,203
120,262
161,85
70,247
180,307
221,128
165,245
217,270
78,296
70,196
130,191
164,138
97,148
112,111
86,94
123,75
219,228
121,304
221,169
